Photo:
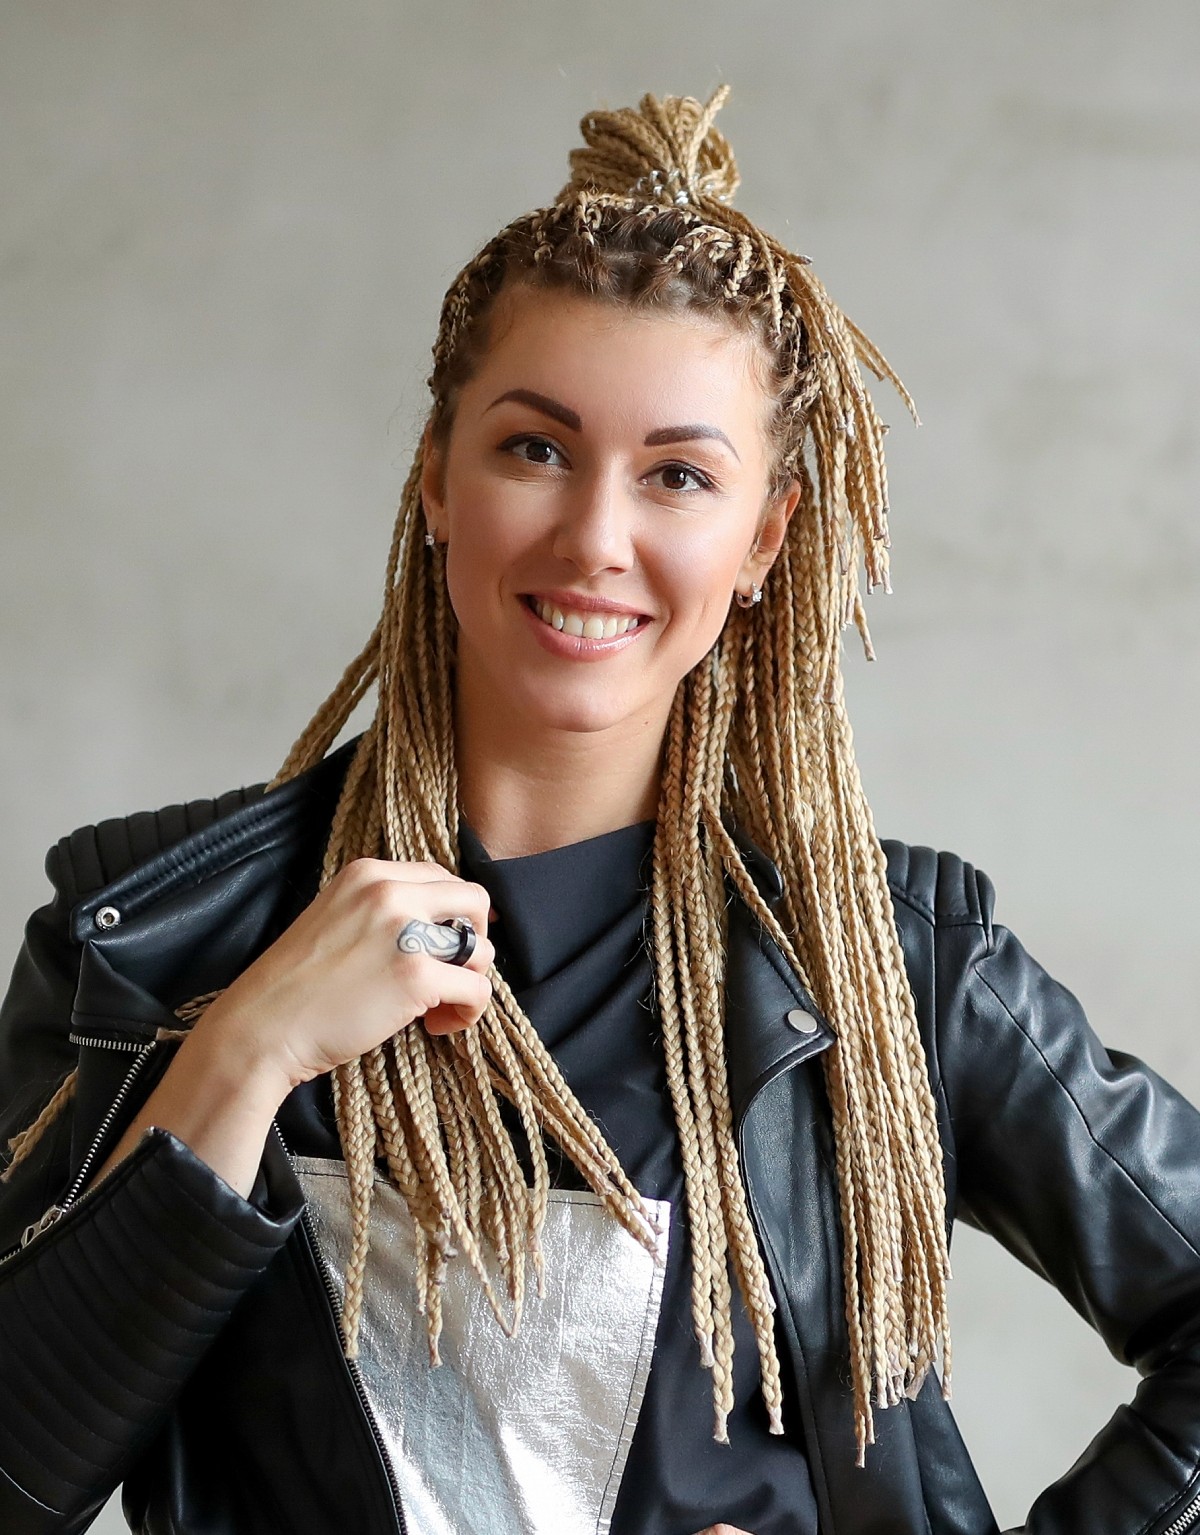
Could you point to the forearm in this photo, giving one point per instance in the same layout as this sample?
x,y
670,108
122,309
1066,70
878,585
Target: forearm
x,y
1085,1167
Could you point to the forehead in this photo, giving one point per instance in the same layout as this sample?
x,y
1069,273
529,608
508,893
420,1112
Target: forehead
x,y
626,355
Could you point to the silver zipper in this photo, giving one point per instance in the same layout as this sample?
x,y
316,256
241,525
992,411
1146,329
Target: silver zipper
x,y
73,1195
335,1306
1185,1520
106,1044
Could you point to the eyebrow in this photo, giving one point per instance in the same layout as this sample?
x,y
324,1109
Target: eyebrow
x,y
568,418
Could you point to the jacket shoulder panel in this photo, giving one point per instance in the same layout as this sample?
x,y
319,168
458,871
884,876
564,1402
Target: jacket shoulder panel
x,y
942,887
91,857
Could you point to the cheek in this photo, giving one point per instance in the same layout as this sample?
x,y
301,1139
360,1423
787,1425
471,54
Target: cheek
x,y
483,540
701,576
471,567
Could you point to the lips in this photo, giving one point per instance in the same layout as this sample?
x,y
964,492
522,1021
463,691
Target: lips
x,y
583,602
582,645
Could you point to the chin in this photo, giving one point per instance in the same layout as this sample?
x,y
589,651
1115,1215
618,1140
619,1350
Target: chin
x,y
580,719
582,714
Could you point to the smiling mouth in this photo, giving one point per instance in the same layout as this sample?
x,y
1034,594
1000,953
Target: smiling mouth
x,y
588,626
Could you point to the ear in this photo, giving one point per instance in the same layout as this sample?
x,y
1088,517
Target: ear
x,y
772,528
432,482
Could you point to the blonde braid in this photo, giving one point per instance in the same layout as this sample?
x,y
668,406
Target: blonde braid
x,y
21,1145
836,912
356,1127
750,1267
668,1007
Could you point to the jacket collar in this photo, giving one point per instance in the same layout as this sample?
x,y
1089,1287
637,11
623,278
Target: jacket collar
x,y
772,1021
279,819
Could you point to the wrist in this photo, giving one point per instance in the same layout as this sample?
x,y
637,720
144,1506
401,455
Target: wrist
x,y
236,1065
218,1098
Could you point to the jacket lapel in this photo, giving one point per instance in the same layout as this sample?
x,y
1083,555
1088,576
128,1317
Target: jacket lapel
x,y
785,1143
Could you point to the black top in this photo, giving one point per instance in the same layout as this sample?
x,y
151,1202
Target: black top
x,y
569,941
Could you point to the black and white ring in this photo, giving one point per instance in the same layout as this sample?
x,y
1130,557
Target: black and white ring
x,y
452,940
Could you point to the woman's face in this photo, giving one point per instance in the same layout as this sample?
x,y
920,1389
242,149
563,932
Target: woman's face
x,y
600,497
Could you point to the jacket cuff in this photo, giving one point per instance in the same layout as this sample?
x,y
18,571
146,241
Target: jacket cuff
x,y
106,1312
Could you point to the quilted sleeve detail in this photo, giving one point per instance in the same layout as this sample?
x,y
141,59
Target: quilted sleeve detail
x,y
105,1313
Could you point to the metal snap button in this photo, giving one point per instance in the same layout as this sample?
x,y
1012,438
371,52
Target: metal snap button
x,y
107,916
802,1022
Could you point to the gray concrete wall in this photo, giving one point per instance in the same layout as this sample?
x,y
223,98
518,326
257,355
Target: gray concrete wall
x,y
226,231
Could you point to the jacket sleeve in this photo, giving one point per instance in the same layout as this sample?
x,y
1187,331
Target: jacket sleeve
x,y
106,1311
1085,1164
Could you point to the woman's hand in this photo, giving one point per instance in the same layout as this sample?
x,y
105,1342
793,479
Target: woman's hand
x,y
330,988
335,984
723,1529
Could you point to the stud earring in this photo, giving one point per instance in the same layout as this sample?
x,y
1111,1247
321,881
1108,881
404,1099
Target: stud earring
x,y
429,539
755,596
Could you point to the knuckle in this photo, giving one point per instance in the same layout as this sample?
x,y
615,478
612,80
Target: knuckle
x,y
388,901
365,888
356,873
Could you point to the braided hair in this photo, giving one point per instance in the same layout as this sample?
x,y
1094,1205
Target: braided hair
x,y
757,737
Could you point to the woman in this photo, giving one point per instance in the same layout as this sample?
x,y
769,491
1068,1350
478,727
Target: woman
x,y
546,1111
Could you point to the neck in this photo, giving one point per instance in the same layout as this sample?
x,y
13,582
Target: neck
x,y
523,793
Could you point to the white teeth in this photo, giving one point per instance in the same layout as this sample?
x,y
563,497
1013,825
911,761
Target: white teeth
x,y
591,626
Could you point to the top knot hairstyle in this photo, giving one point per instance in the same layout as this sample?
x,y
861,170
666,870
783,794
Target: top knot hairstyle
x,y
758,738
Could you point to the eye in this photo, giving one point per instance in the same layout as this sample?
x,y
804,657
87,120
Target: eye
x,y
676,470
536,445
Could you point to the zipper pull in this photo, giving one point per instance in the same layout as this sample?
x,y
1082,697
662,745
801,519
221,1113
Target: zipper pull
x,y
41,1224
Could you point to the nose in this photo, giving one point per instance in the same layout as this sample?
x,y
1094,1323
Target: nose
x,y
595,525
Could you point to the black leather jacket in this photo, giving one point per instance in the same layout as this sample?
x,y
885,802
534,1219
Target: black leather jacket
x,y
163,1332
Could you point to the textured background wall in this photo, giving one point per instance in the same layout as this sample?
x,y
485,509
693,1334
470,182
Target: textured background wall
x,y
226,233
